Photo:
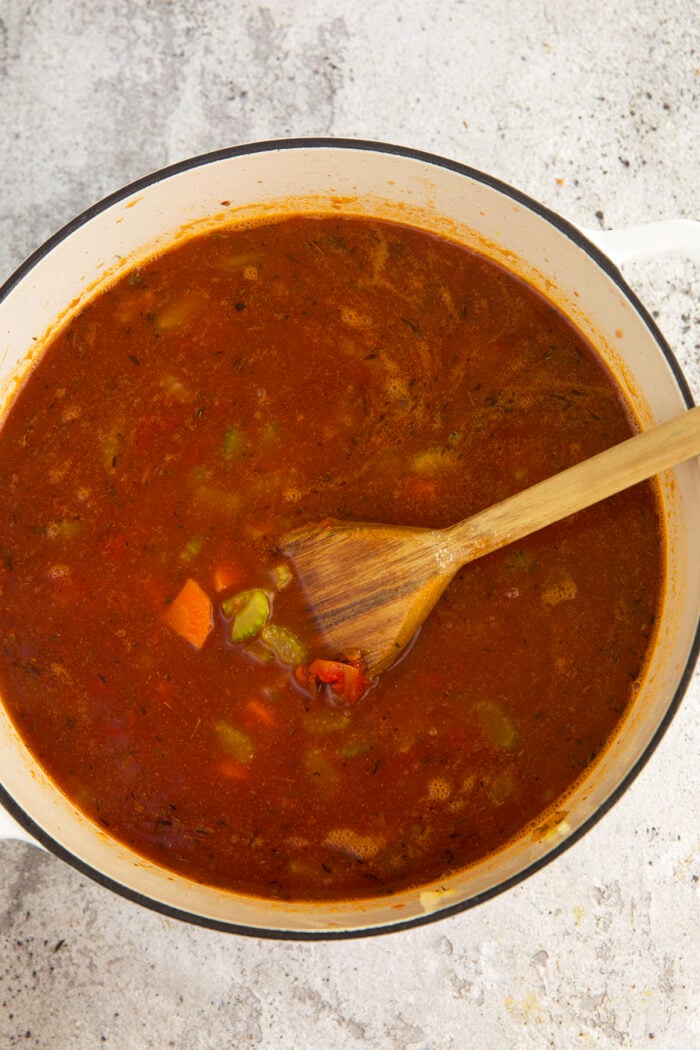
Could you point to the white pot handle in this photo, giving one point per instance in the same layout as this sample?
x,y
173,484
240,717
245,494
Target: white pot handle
x,y
10,829
676,236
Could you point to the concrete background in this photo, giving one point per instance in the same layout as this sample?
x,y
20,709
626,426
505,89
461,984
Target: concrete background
x,y
593,108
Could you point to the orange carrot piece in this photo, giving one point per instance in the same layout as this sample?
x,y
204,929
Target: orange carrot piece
x,y
190,614
260,712
227,575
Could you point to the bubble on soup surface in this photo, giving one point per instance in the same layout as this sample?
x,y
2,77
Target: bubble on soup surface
x,y
352,843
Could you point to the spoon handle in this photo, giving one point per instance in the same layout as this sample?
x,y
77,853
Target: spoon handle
x,y
586,483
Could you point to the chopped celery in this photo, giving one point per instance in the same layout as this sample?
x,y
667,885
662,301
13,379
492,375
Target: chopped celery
x,y
63,528
217,500
179,310
259,651
499,786
518,560
237,261
286,646
497,724
250,611
433,460
71,528
282,576
235,742
319,769
234,443
270,434
192,548
355,747
325,720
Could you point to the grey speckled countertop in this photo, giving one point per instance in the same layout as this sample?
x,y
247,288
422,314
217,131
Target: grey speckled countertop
x,y
592,108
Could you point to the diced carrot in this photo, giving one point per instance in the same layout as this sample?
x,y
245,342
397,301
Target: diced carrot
x,y
227,575
190,614
260,712
228,767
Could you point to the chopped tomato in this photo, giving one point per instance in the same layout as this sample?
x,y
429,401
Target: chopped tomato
x,y
227,575
302,676
348,681
228,767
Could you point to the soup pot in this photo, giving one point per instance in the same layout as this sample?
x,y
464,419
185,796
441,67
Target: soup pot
x,y
574,269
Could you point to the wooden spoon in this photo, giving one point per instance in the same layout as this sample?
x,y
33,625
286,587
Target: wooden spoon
x,y
370,587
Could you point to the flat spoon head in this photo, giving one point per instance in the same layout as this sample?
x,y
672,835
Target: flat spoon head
x,y
368,586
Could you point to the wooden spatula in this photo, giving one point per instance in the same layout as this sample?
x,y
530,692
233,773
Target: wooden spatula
x,y
370,587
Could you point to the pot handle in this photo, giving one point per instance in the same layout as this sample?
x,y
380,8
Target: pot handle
x,y
674,236
10,829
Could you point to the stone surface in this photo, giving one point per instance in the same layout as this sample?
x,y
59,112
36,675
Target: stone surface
x,y
593,109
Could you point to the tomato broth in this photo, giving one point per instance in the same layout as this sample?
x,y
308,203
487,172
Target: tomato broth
x,y
154,655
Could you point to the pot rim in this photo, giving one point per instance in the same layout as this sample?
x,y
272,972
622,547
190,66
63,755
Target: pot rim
x,y
598,257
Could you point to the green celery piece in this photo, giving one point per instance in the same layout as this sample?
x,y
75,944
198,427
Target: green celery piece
x,y
355,747
320,771
284,643
234,443
250,611
325,720
218,500
235,742
259,652
192,548
497,724
271,434
519,559
71,528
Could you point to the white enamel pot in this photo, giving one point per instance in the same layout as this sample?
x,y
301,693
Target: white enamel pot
x,y
576,271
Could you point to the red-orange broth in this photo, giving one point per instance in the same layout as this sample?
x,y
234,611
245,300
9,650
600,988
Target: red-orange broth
x,y
244,383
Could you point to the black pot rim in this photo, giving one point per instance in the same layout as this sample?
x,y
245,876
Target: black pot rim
x,y
579,239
